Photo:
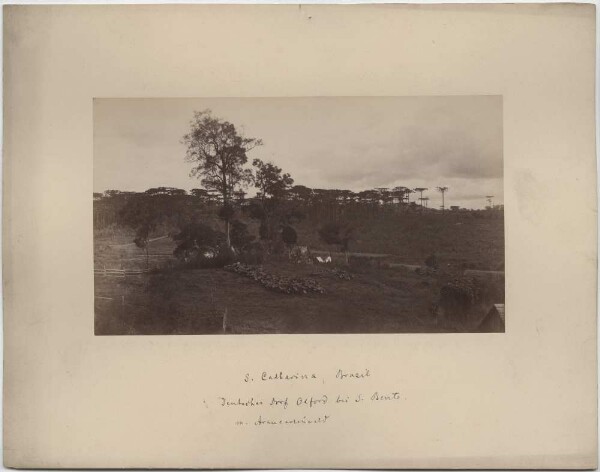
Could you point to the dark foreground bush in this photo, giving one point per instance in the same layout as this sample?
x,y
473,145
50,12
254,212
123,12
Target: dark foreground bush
x,y
462,297
457,298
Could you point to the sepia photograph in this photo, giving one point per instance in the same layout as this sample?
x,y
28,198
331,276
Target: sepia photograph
x,y
298,215
254,225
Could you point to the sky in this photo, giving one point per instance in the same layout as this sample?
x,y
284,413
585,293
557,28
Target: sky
x,y
354,143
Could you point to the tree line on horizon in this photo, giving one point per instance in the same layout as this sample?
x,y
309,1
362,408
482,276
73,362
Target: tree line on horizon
x,y
299,193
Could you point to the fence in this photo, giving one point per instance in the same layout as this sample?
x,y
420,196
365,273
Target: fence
x,y
120,272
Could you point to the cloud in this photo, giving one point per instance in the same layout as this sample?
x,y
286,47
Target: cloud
x,y
383,156
337,142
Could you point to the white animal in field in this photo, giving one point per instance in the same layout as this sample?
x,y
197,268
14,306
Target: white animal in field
x,y
327,260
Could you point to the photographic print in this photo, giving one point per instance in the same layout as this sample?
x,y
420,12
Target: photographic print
x,y
298,215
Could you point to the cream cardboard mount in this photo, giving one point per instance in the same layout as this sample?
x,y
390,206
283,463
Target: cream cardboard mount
x,y
91,94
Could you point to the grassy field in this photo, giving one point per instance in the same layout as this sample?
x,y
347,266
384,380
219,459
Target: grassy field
x,y
176,300
457,239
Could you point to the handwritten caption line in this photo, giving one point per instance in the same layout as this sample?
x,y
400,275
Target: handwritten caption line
x,y
289,408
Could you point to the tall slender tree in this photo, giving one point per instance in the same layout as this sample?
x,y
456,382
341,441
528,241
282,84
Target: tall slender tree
x,y
443,191
218,153
421,190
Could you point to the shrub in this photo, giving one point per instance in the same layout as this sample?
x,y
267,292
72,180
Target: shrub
x,y
339,234
458,297
197,235
198,244
240,237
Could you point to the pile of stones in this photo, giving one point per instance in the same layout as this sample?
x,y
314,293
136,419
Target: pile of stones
x,y
277,283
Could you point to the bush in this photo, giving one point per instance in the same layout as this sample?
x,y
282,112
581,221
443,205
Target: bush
x,y
196,235
339,234
240,237
199,245
458,297
225,256
289,235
